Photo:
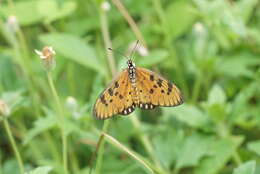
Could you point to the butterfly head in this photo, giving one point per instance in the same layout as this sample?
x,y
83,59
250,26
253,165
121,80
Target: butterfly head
x,y
130,64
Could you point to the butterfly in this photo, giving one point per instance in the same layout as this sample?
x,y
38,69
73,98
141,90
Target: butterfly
x,y
136,87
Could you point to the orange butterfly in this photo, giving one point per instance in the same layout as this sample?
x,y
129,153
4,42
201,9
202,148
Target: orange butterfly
x,y
136,87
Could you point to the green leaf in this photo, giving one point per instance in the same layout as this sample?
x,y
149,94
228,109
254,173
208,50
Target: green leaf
x,y
194,148
167,146
41,125
254,146
73,48
215,105
222,150
41,170
49,10
216,95
188,114
246,168
238,65
23,11
52,11
245,8
179,17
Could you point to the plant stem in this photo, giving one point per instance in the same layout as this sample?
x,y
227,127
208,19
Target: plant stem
x,y
100,148
107,41
196,89
112,66
146,143
61,122
130,21
16,151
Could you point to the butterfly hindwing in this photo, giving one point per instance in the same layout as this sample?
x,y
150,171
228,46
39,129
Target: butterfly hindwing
x,y
155,90
115,99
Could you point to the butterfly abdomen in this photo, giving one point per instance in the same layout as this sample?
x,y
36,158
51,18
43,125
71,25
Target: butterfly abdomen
x,y
132,78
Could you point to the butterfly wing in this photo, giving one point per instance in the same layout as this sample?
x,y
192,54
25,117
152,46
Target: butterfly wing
x,y
155,90
115,99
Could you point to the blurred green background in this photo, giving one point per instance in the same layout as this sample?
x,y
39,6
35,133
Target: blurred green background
x,y
209,49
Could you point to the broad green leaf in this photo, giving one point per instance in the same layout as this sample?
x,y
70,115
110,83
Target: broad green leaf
x,y
216,95
238,65
188,114
52,11
179,17
194,148
9,166
254,146
222,150
167,146
216,106
48,10
73,48
239,112
246,168
23,11
41,170
41,125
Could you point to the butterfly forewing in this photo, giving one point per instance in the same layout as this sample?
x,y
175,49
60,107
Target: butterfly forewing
x,y
155,90
115,99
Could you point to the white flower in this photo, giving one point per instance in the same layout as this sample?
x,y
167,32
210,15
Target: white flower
x,y
4,109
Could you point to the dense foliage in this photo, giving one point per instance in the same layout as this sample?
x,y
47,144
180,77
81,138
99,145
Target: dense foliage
x,y
209,49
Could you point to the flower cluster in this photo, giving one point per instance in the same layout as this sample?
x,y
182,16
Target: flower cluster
x,y
47,57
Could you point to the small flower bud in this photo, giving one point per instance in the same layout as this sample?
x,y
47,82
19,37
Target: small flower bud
x,y
105,6
12,24
4,109
140,48
71,103
47,57
199,27
73,107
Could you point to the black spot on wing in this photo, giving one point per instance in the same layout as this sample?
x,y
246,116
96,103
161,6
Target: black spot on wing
x,y
110,91
159,82
152,77
116,84
102,99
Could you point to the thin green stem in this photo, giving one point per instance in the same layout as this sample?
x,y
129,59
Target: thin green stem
x,y
107,41
14,146
146,143
123,10
100,148
61,122
196,89
112,66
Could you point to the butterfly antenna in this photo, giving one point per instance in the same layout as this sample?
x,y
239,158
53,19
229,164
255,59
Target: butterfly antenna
x,y
134,50
118,52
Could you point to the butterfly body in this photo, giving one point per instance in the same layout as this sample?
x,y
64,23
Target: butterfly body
x,y
136,87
